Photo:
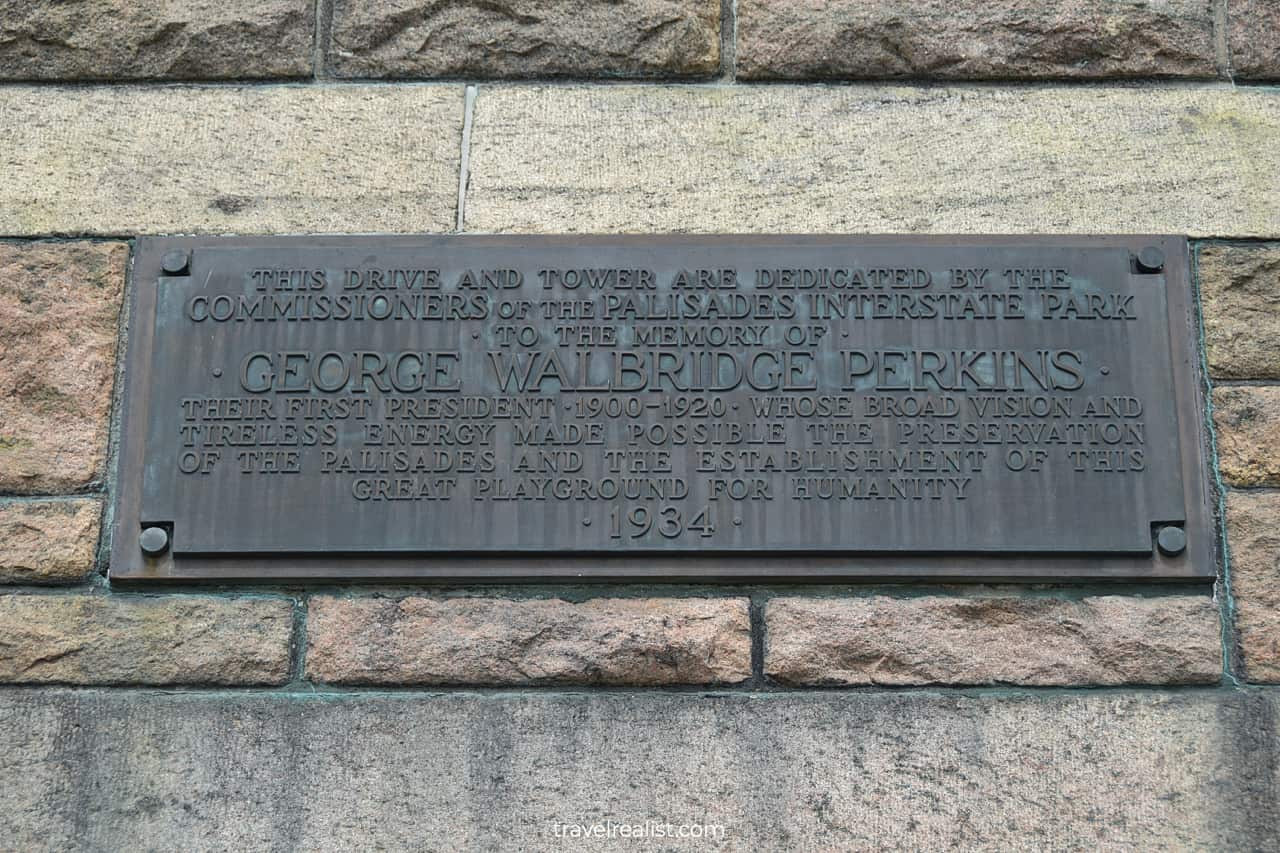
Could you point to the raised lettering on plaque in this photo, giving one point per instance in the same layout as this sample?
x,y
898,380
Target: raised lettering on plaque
x,y
714,407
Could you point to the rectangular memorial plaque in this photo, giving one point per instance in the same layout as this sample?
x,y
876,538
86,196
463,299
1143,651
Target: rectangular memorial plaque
x,y
706,407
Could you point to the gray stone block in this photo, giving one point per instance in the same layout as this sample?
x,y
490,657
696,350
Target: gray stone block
x,y
129,770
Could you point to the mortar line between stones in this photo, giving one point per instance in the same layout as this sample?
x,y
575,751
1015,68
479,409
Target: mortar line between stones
x,y
464,159
298,650
1222,53
1063,84
319,50
68,497
728,41
755,615
96,489
1227,612
107,519
1246,383
318,690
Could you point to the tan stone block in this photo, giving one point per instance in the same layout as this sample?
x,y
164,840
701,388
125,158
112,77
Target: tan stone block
x,y
988,39
121,639
496,641
271,159
48,541
526,38
1240,301
59,321
1104,640
1253,537
160,39
1198,160
1247,423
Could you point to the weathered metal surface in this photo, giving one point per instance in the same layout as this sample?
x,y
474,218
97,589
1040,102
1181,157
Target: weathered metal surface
x,y
630,406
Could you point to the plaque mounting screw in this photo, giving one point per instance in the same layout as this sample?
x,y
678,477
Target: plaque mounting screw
x,y
1150,260
154,541
175,262
1171,540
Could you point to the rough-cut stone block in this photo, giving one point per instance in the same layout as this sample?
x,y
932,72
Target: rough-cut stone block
x,y
1253,35
1199,160
48,541
992,39
227,159
1240,299
526,38
1247,421
115,639
161,39
498,641
1253,537
135,770
1106,640
59,315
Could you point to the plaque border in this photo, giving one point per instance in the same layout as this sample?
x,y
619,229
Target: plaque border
x,y
1197,563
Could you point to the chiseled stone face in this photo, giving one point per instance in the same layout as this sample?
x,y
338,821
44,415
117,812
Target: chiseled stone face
x,y
1247,423
875,159
48,541
59,312
912,770
121,639
1253,536
987,39
1253,35
1240,301
1105,640
493,641
135,160
158,39
526,38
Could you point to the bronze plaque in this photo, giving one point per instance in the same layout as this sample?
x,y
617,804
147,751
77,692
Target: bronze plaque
x,y
707,407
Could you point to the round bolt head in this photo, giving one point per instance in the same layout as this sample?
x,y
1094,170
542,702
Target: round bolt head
x,y
175,262
1151,259
1171,541
154,541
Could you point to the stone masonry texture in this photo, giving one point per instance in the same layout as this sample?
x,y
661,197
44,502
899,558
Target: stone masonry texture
x,y
479,716
59,313
526,38
999,39
1105,640
227,159
160,39
120,639
1240,301
133,770
1253,35
1247,424
873,159
1253,534
494,641
48,541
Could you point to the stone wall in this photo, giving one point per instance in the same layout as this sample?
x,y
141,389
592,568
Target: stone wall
x,y
326,716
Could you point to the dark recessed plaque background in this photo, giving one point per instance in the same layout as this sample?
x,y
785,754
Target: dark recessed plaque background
x,y
712,407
